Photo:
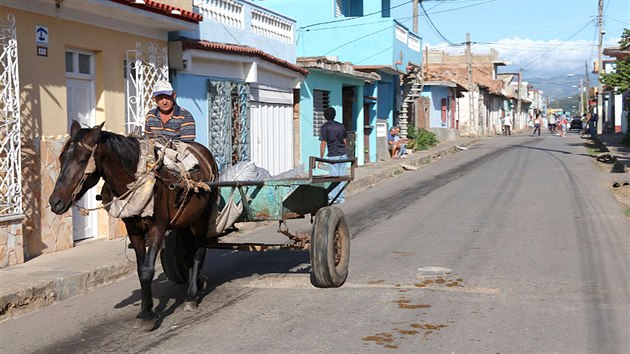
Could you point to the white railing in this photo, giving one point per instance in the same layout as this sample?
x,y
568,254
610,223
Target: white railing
x,y
272,26
401,34
10,148
146,65
233,13
414,44
227,12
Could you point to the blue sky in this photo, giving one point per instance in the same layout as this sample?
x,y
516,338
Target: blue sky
x,y
548,39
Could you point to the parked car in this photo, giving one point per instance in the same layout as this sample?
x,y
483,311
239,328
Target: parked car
x,y
576,123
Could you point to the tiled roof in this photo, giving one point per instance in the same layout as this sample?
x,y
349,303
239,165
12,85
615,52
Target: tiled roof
x,y
163,9
241,50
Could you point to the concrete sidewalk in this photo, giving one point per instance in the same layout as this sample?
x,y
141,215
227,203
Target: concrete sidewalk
x,y
90,264
612,143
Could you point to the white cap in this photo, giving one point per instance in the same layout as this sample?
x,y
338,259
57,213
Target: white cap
x,y
163,88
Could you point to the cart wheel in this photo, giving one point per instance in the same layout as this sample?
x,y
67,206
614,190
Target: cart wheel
x,y
330,248
177,255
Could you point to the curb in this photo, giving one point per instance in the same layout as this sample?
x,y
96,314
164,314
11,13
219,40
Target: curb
x,y
61,286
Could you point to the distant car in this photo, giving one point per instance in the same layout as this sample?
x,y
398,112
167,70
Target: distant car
x,y
576,123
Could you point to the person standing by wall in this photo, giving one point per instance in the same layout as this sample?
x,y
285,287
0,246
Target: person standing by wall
x,y
334,138
168,119
507,124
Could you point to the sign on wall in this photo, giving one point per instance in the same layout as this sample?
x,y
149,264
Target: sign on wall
x,y
41,40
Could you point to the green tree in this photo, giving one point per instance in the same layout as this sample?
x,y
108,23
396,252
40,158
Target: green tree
x,y
620,79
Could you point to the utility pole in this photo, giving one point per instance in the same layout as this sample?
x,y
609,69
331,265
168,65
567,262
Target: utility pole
x,y
472,121
587,88
600,95
518,98
415,16
581,99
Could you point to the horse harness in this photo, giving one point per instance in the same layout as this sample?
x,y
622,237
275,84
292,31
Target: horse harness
x,y
89,169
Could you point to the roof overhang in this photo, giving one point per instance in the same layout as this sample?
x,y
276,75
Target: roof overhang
x,y
445,84
150,18
388,70
232,50
324,64
617,52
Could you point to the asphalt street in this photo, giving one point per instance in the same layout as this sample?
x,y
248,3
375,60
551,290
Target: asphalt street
x,y
513,245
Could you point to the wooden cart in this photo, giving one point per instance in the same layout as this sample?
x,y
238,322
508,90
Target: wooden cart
x,y
281,200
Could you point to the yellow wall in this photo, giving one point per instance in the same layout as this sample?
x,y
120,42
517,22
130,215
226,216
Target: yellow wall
x,y
43,79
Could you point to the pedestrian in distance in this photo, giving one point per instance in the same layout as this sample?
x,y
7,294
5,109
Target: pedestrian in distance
x,y
168,119
507,124
552,123
333,137
537,124
592,124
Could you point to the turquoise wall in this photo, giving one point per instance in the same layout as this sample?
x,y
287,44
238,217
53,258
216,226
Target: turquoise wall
x,y
366,40
436,93
309,143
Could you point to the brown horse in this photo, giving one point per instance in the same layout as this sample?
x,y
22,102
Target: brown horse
x,y
91,154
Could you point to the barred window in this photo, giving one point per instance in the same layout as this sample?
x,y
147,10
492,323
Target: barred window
x,y
321,101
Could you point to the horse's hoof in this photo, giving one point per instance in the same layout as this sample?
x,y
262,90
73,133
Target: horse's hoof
x,y
146,324
190,305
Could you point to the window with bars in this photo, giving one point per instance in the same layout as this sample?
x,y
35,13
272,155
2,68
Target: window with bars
x,y
321,101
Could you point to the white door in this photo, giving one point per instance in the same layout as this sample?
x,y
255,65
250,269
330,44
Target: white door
x,y
81,107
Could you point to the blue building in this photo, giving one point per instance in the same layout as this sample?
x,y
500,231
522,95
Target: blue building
x,y
237,75
373,37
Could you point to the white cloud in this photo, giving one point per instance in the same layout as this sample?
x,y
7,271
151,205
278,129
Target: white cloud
x,y
540,57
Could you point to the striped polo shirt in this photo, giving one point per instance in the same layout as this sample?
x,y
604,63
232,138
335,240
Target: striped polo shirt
x,y
181,125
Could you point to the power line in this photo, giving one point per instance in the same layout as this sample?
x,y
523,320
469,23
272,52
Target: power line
x,y
435,27
353,18
561,43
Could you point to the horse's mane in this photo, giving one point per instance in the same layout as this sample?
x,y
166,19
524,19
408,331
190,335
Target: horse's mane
x,y
127,148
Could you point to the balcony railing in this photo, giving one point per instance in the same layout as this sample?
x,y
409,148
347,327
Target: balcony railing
x,y
227,12
272,26
247,17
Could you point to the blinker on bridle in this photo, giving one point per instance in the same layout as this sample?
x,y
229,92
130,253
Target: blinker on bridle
x,y
89,169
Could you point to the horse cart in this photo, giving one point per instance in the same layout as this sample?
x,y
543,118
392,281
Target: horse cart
x,y
281,200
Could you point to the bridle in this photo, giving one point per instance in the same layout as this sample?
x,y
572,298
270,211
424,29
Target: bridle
x,y
89,169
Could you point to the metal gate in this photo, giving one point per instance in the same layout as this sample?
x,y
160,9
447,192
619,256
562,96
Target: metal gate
x,y
228,120
145,65
10,152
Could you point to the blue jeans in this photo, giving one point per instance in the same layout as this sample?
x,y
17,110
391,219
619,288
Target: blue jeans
x,y
402,150
338,169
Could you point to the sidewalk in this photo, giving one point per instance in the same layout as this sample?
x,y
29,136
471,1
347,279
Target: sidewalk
x,y
612,143
90,264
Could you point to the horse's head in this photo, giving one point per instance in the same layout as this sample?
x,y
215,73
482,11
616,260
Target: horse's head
x,y
78,168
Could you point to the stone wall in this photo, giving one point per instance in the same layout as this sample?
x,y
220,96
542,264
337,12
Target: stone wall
x,y
11,243
46,232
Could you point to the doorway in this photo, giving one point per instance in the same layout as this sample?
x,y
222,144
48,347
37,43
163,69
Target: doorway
x,y
81,107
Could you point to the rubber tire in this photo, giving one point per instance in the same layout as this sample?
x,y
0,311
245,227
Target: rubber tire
x,y
329,237
177,256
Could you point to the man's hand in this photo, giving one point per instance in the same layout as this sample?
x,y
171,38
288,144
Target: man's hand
x,y
320,164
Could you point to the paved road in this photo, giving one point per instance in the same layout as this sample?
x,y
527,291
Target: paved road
x,y
514,245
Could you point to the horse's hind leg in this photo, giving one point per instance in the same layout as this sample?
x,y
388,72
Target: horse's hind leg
x,y
199,254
